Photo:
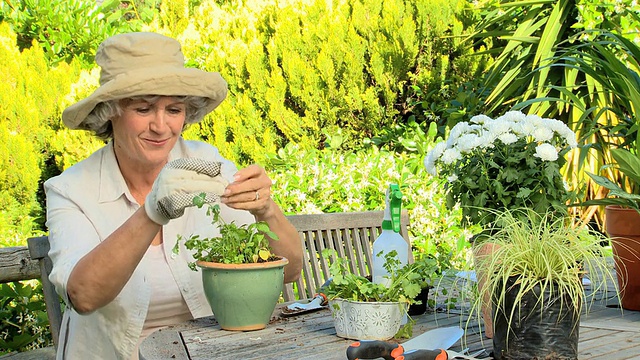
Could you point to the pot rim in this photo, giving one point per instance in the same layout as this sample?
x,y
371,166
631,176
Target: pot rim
x,y
368,302
280,262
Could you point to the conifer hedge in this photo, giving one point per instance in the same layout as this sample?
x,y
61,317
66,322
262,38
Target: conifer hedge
x,y
300,71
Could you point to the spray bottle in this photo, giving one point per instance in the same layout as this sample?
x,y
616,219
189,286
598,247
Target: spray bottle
x,y
390,238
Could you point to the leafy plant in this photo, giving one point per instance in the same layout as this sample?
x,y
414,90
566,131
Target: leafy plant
x,y
604,94
237,244
545,251
404,286
628,164
23,317
511,162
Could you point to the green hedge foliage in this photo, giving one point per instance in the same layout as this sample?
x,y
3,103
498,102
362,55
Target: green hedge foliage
x,y
73,29
300,70
30,94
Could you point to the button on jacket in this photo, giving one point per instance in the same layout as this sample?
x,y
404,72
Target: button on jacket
x,y
85,204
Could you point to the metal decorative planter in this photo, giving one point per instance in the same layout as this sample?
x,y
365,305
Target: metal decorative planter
x,y
366,320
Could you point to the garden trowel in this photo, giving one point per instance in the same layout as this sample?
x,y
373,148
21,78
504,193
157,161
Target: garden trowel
x,y
297,308
431,345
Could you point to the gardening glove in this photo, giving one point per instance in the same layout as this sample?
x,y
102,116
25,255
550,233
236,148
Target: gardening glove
x,y
178,183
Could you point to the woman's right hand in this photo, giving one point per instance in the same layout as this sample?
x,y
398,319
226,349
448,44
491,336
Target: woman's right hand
x,y
178,183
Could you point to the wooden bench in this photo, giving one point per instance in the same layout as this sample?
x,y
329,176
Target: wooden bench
x,y
26,263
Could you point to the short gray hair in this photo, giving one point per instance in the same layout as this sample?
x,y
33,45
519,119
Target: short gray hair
x,y
99,120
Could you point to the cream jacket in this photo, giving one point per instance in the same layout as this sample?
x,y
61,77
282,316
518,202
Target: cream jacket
x,y
85,204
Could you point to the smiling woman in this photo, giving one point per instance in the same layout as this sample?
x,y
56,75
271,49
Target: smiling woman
x,y
115,216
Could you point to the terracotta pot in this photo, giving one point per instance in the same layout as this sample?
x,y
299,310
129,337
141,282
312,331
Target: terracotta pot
x,y
480,253
623,227
243,296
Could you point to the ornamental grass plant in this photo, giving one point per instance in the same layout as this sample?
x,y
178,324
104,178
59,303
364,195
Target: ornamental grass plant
x,y
510,162
542,253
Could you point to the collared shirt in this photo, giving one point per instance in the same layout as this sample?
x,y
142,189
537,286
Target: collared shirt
x,y
88,202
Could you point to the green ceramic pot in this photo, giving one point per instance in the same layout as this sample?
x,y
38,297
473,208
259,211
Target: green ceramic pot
x,y
243,296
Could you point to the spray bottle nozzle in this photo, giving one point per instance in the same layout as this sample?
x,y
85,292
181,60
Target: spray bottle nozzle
x,y
394,206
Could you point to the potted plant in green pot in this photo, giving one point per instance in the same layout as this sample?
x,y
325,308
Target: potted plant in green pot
x,y
622,223
363,310
491,165
535,283
242,278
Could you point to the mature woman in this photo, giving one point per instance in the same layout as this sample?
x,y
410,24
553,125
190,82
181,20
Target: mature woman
x,y
114,217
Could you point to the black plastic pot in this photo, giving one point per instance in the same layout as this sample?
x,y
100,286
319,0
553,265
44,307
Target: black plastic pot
x,y
535,332
419,309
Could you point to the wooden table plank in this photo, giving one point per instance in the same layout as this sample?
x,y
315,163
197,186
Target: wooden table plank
x,y
605,331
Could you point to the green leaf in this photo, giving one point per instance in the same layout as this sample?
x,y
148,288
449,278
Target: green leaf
x,y
628,163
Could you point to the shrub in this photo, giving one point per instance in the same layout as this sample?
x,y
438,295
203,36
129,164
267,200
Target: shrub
x,y
73,29
304,69
314,181
24,324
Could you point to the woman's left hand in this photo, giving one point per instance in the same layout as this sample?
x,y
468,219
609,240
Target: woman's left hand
x,y
250,190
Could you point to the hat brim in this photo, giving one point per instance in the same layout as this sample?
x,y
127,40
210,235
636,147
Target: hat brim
x,y
167,81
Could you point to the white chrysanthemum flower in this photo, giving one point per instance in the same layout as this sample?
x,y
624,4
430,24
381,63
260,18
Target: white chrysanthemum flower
x,y
571,140
450,156
499,127
513,116
542,134
485,140
525,128
508,138
433,156
546,152
567,134
534,119
480,119
456,131
452,178
469,142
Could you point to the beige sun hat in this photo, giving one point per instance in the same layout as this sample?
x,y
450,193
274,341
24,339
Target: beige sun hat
x,y
144,63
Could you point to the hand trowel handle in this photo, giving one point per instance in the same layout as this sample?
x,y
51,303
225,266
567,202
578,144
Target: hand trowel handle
x,y
373,349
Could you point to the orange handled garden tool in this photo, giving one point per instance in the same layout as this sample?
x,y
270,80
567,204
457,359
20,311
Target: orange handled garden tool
x,y
432,345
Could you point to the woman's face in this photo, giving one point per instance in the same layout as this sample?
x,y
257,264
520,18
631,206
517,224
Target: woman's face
x,y
146,132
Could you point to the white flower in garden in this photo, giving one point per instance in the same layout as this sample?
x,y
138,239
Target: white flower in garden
x,y
469,142
542,134
450,156
508,138
513,116
430,159
499,127
546,152
497,158
480,119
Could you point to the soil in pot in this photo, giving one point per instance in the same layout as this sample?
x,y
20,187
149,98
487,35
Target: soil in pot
x,y
535,332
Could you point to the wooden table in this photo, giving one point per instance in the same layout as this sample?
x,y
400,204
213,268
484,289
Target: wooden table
x,y
605,333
